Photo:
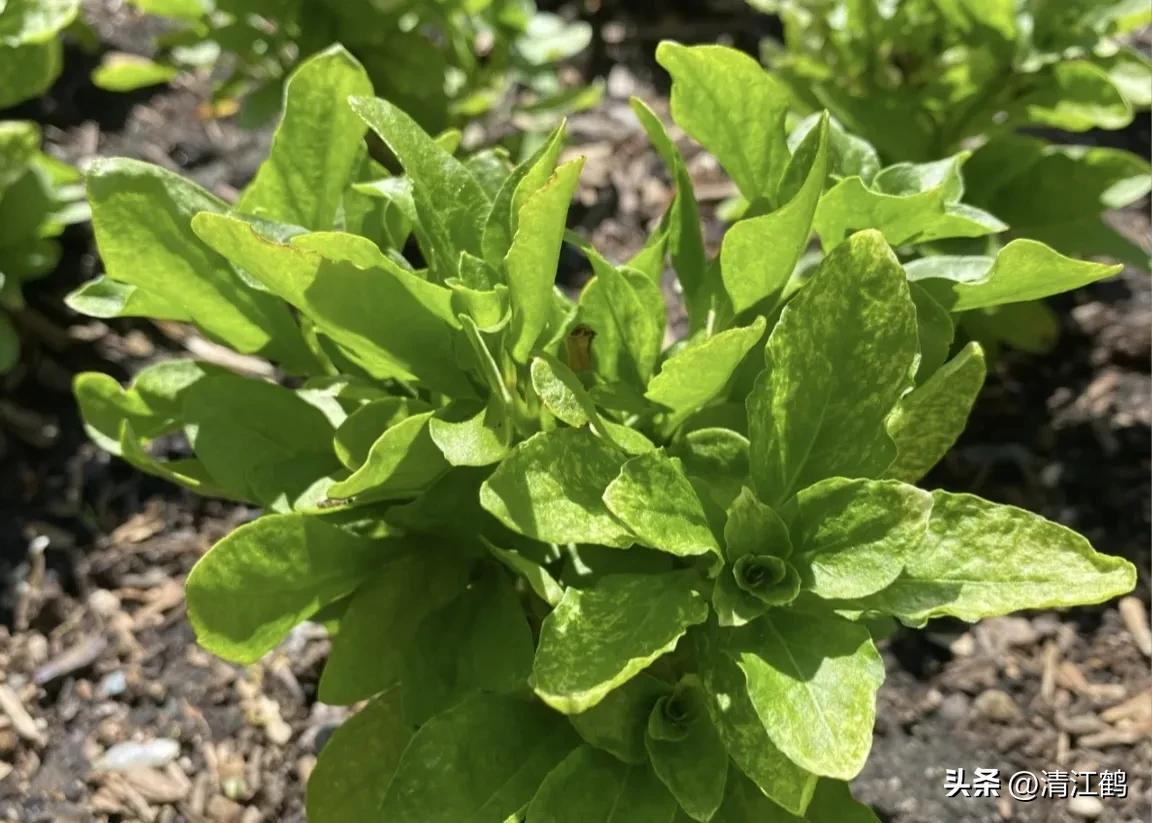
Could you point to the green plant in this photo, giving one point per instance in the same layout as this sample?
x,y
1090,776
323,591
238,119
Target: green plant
x,y
39,196
443,61
924,78
578,576
30,46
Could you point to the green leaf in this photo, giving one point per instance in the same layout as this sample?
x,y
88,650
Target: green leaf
x,y
469,434
1031,183
837,362
120,71
848,154
402,462
935,329
188,9
253,586
1032,327
241,428
561,392
532,259
602,636
479,762
734,606
450,202
316,146
759,255
618,724
19,144
1075,96
927,421
742,731
9,344
1022,270
152,404
982,559
590,786
528,177
551,488
754,528
716,461
340,281
735,109
908,203
104,298
356,765
549,38
141,215
354,437
766,577
686,751
537,577
380,625
833,803
36,21
625,309
853,536
699,372
655,500
812,680
479,642
685,240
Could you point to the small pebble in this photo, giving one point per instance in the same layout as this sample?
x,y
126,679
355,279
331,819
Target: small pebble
x,y
1087,807
103,603
954,707
112,684
134,755
963,646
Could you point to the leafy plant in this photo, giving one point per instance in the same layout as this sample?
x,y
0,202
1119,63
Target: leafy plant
x,y
922,79
30,46
578,576
39,196
443,61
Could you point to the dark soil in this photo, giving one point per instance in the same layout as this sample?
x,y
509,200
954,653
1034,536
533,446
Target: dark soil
x,y
95,650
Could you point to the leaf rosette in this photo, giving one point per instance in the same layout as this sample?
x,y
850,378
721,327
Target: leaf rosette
x,y
576,574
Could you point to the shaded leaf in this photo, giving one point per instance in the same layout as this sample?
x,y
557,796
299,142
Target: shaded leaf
x,y
253,586
927,421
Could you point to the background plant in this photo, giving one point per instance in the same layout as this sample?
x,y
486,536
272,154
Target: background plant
x,y
578,575
39,196
31,51
444,62
923,79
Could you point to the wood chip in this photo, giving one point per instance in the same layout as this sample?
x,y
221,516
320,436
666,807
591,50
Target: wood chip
x,y
1051,665
1137,708
139,527
1136,621
223,810
1070,677
76,657
1117,737
162,599
155,786
131,798
22,722
1081,724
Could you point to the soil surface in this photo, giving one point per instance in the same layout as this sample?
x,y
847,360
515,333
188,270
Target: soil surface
x,y
109,711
